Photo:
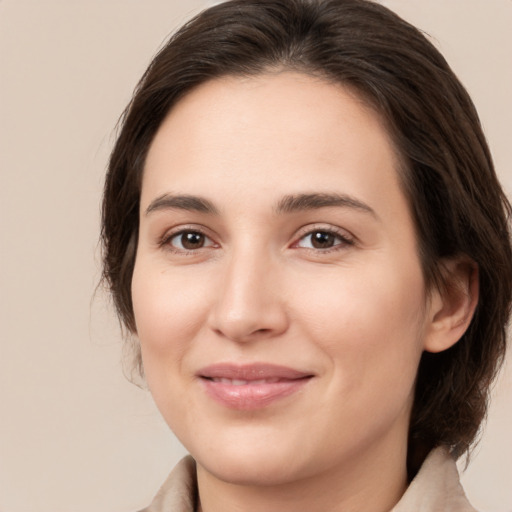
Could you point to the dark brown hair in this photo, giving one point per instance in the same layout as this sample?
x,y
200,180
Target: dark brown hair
x,y
456,200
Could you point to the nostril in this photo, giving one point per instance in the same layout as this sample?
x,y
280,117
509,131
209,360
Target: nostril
x,y
262,331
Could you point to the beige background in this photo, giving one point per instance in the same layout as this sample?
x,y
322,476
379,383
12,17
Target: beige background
x,y
74,435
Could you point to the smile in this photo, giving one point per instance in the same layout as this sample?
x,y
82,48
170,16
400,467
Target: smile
x,y
251,387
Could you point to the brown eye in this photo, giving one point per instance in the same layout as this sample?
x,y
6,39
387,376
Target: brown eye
x,y
321,239
190,240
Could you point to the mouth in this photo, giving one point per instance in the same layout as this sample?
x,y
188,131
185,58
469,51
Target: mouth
x,y
250,387
241,382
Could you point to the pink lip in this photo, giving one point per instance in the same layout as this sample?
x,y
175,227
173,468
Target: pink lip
x,y
264,384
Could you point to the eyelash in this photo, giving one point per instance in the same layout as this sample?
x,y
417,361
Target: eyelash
x,y
343,240
166,240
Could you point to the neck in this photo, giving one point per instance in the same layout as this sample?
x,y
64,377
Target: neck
x,y
363,483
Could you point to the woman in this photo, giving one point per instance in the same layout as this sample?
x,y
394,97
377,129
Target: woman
x,y
303,227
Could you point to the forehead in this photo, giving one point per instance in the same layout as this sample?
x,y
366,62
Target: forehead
x,y
267,132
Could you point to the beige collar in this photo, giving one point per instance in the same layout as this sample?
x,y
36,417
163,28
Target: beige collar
x,y
436,488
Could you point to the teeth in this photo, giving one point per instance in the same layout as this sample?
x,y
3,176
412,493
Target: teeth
x,y
241,382
265,381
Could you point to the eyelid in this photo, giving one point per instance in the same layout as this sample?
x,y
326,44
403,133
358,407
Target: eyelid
x,y
345,236
165,239
347,239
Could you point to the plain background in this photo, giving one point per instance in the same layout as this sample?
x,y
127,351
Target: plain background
x,y
75,436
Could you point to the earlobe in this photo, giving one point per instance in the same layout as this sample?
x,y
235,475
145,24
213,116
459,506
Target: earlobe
x,y
452,307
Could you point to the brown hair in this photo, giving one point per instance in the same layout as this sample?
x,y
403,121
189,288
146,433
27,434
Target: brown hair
x,y
456,200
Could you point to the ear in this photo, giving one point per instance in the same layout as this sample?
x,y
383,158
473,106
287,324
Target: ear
x,y
452,306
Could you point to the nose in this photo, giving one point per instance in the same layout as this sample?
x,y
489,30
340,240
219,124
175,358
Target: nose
x,y
250,302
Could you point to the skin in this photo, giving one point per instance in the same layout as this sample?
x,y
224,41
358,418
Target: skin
x,y
254,287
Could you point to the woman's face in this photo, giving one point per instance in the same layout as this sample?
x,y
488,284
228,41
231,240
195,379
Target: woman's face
x,y
278,294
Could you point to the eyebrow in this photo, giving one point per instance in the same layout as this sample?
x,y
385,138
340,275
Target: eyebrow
x,y
313,201
287,204
182,202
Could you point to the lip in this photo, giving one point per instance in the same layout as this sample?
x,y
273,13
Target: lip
x,y
251,386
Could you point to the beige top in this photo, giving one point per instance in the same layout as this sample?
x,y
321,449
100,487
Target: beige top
x,y
436,488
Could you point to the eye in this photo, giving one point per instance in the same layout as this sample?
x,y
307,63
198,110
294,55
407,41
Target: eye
x,y
188,240
323,239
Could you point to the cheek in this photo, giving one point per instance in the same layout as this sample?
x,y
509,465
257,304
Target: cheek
x,y
169,311
370,323
379,298
167,316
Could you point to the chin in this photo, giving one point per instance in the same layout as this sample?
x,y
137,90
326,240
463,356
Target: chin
x,y
246,470
260,461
